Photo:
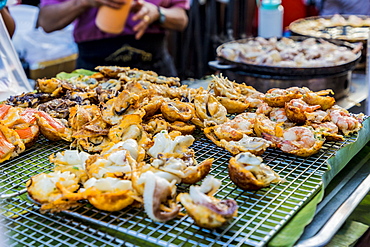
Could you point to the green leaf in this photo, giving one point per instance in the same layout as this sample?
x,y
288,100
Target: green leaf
x,y
77,72
291,232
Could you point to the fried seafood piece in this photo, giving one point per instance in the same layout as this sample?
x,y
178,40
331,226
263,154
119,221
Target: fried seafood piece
x,y
316,117
10,144
126,74
329,130
131,145
80,116
151,105
28,100
48,85
22,121
111,84
83,82
91,144
112,71
224,87
173,143
130,128
233,106
278,115
71,161
248,172
159,79
156,124
116,163
175,110
125,103
235,97
174,155
184,93
325,102
52,128
264,108
184,128
296,108
264,125
57,108
105,95
108,194
347,123
277,97
85,97
206,210
47,189
86,121
159,197
299,140
234,129
255,145
209,110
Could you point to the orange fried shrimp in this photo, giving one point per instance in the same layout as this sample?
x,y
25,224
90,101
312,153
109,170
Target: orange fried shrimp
x,y
345,122
296,109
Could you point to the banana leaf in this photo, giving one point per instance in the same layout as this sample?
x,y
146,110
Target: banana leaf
x,y
77,72
291,232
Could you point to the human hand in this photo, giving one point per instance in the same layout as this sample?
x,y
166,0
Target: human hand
x,y
147,13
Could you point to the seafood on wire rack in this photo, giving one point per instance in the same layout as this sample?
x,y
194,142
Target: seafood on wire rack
x,y
131,131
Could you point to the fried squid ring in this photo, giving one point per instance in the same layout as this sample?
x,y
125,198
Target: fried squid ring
x,y
158,193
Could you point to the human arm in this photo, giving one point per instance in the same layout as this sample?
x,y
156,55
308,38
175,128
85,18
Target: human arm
x,y
57,16
8,20
176,18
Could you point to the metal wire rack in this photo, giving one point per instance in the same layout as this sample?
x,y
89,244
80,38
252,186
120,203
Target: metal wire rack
x,y
260,214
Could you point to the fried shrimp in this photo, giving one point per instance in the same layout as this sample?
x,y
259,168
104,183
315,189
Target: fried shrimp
x,y
345,122
298,140
296,109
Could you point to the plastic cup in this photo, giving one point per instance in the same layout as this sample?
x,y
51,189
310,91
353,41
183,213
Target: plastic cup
x,y
112,20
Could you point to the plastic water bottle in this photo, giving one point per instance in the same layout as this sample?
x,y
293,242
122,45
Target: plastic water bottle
x,y
270,19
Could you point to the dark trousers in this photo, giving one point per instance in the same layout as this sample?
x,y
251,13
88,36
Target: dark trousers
x,y
148,53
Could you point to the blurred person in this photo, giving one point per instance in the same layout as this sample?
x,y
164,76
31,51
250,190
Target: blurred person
x,y
142,44
352,7
8,20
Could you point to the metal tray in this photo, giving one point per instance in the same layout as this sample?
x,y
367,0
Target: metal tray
x,y
260,215
288,71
